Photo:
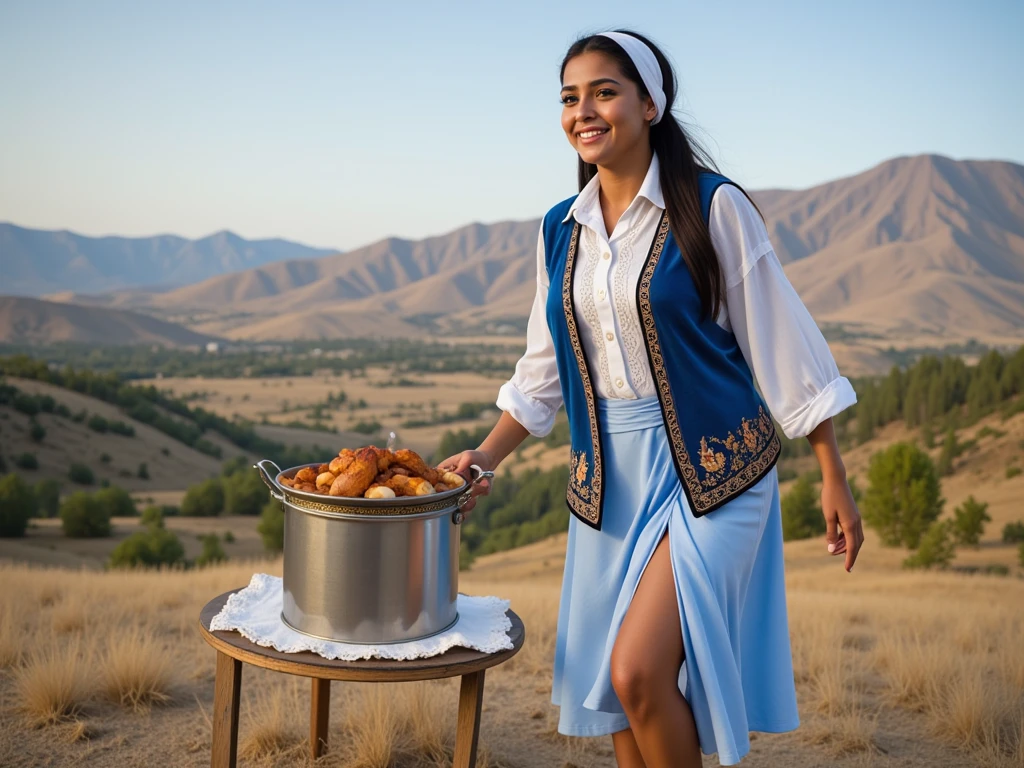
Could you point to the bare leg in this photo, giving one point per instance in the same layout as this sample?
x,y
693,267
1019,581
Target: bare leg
x,y
627,753
646,659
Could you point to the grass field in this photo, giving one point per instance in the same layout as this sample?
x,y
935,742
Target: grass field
x,y
893,669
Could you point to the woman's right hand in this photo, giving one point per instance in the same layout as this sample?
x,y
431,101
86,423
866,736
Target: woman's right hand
x,y
460,464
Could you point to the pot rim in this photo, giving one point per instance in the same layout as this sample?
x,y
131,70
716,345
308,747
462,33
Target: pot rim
x,y
357,505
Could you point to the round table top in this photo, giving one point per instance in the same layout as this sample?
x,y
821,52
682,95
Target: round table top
x,y
454,662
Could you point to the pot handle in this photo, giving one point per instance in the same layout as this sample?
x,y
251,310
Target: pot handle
x,y
261,467
477,474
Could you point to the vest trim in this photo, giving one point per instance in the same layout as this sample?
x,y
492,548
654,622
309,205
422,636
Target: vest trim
x,y
741,461
584,492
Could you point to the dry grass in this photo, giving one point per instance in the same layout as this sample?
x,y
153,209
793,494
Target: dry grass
x,y
136,670
270,725
942,650
53,685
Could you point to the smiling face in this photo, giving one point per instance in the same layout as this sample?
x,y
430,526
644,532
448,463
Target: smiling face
x,y
603,114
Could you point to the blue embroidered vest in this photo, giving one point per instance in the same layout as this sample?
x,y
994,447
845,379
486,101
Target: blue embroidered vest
x,y
721,434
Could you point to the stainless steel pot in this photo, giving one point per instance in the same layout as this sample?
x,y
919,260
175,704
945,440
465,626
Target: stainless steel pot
x,y
369,570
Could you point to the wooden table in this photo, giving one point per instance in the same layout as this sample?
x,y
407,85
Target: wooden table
x,y
233,649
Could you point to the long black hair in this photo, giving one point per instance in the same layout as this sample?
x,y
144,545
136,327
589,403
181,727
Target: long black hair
x,y
681,159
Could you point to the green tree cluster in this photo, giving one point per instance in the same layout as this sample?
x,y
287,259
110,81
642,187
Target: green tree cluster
x,y
903,496
17,506
83,516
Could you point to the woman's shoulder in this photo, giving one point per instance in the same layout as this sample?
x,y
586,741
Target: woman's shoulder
x,y
737,231
559,211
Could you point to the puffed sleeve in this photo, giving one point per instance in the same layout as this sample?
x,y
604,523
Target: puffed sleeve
x,y
533,395
782,344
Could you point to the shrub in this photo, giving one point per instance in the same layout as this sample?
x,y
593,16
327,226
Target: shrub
x,y
212,551
83,517
81,474
1013,532
120,428
152,517
936,548
47,494
801,511
37,432
152,547
117,500
244,493
1020,554
903,498
1012,472
271,527
229,537
26,461
104,458
17,505
143,471
97,424
26,404
950,450
969,521
204,500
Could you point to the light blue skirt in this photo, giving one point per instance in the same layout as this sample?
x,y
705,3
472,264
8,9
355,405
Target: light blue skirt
x,y
737,673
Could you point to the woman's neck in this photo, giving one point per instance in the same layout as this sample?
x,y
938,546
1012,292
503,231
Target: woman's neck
x,y
620,183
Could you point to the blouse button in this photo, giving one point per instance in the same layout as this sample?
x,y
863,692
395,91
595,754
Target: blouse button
x,y
610,336
607,255
619,383
600,294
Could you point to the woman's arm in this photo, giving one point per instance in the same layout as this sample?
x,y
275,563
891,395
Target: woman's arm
x,y
787,354
837,504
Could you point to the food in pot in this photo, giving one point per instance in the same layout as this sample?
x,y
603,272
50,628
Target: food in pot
x,y
374,473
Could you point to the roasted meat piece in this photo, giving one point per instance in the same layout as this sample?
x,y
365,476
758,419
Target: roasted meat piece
x,y
409,486
358,475
412,461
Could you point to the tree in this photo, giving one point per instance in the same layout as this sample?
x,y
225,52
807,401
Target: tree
x,y
117,500
26,461
801,511
204,500
48,497
903,497
212,551
152,517
83,517
937,547
81,474
143,471
950,450
1013,532
37,432
244,493
969,521
17,505
152,547
271,527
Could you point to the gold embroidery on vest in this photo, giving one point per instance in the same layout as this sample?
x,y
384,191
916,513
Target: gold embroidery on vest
x,y
584,499
754,437
578,472
745,463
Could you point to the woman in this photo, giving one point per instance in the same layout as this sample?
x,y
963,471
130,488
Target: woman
x,y
658,295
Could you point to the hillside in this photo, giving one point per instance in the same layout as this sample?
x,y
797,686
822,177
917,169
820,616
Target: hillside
x,y
35,321
171,465
36,262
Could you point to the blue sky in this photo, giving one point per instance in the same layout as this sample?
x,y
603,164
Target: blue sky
x,y
337,124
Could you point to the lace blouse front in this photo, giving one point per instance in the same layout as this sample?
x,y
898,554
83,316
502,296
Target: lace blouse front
x,y
779,339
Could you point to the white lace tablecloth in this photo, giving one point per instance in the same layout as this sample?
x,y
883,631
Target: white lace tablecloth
x,y
255,612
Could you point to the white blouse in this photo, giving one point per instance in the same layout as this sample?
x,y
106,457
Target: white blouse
x,y
786,352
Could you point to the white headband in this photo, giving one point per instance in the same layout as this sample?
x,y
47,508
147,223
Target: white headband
x,y
645,63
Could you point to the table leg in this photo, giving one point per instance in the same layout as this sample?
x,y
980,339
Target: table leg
x,y
226,693
471,699
319,713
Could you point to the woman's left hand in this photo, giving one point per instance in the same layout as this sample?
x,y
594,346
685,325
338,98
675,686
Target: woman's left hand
x,y
844,531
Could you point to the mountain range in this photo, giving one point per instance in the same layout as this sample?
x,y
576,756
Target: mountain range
x,y
916,248
36,262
